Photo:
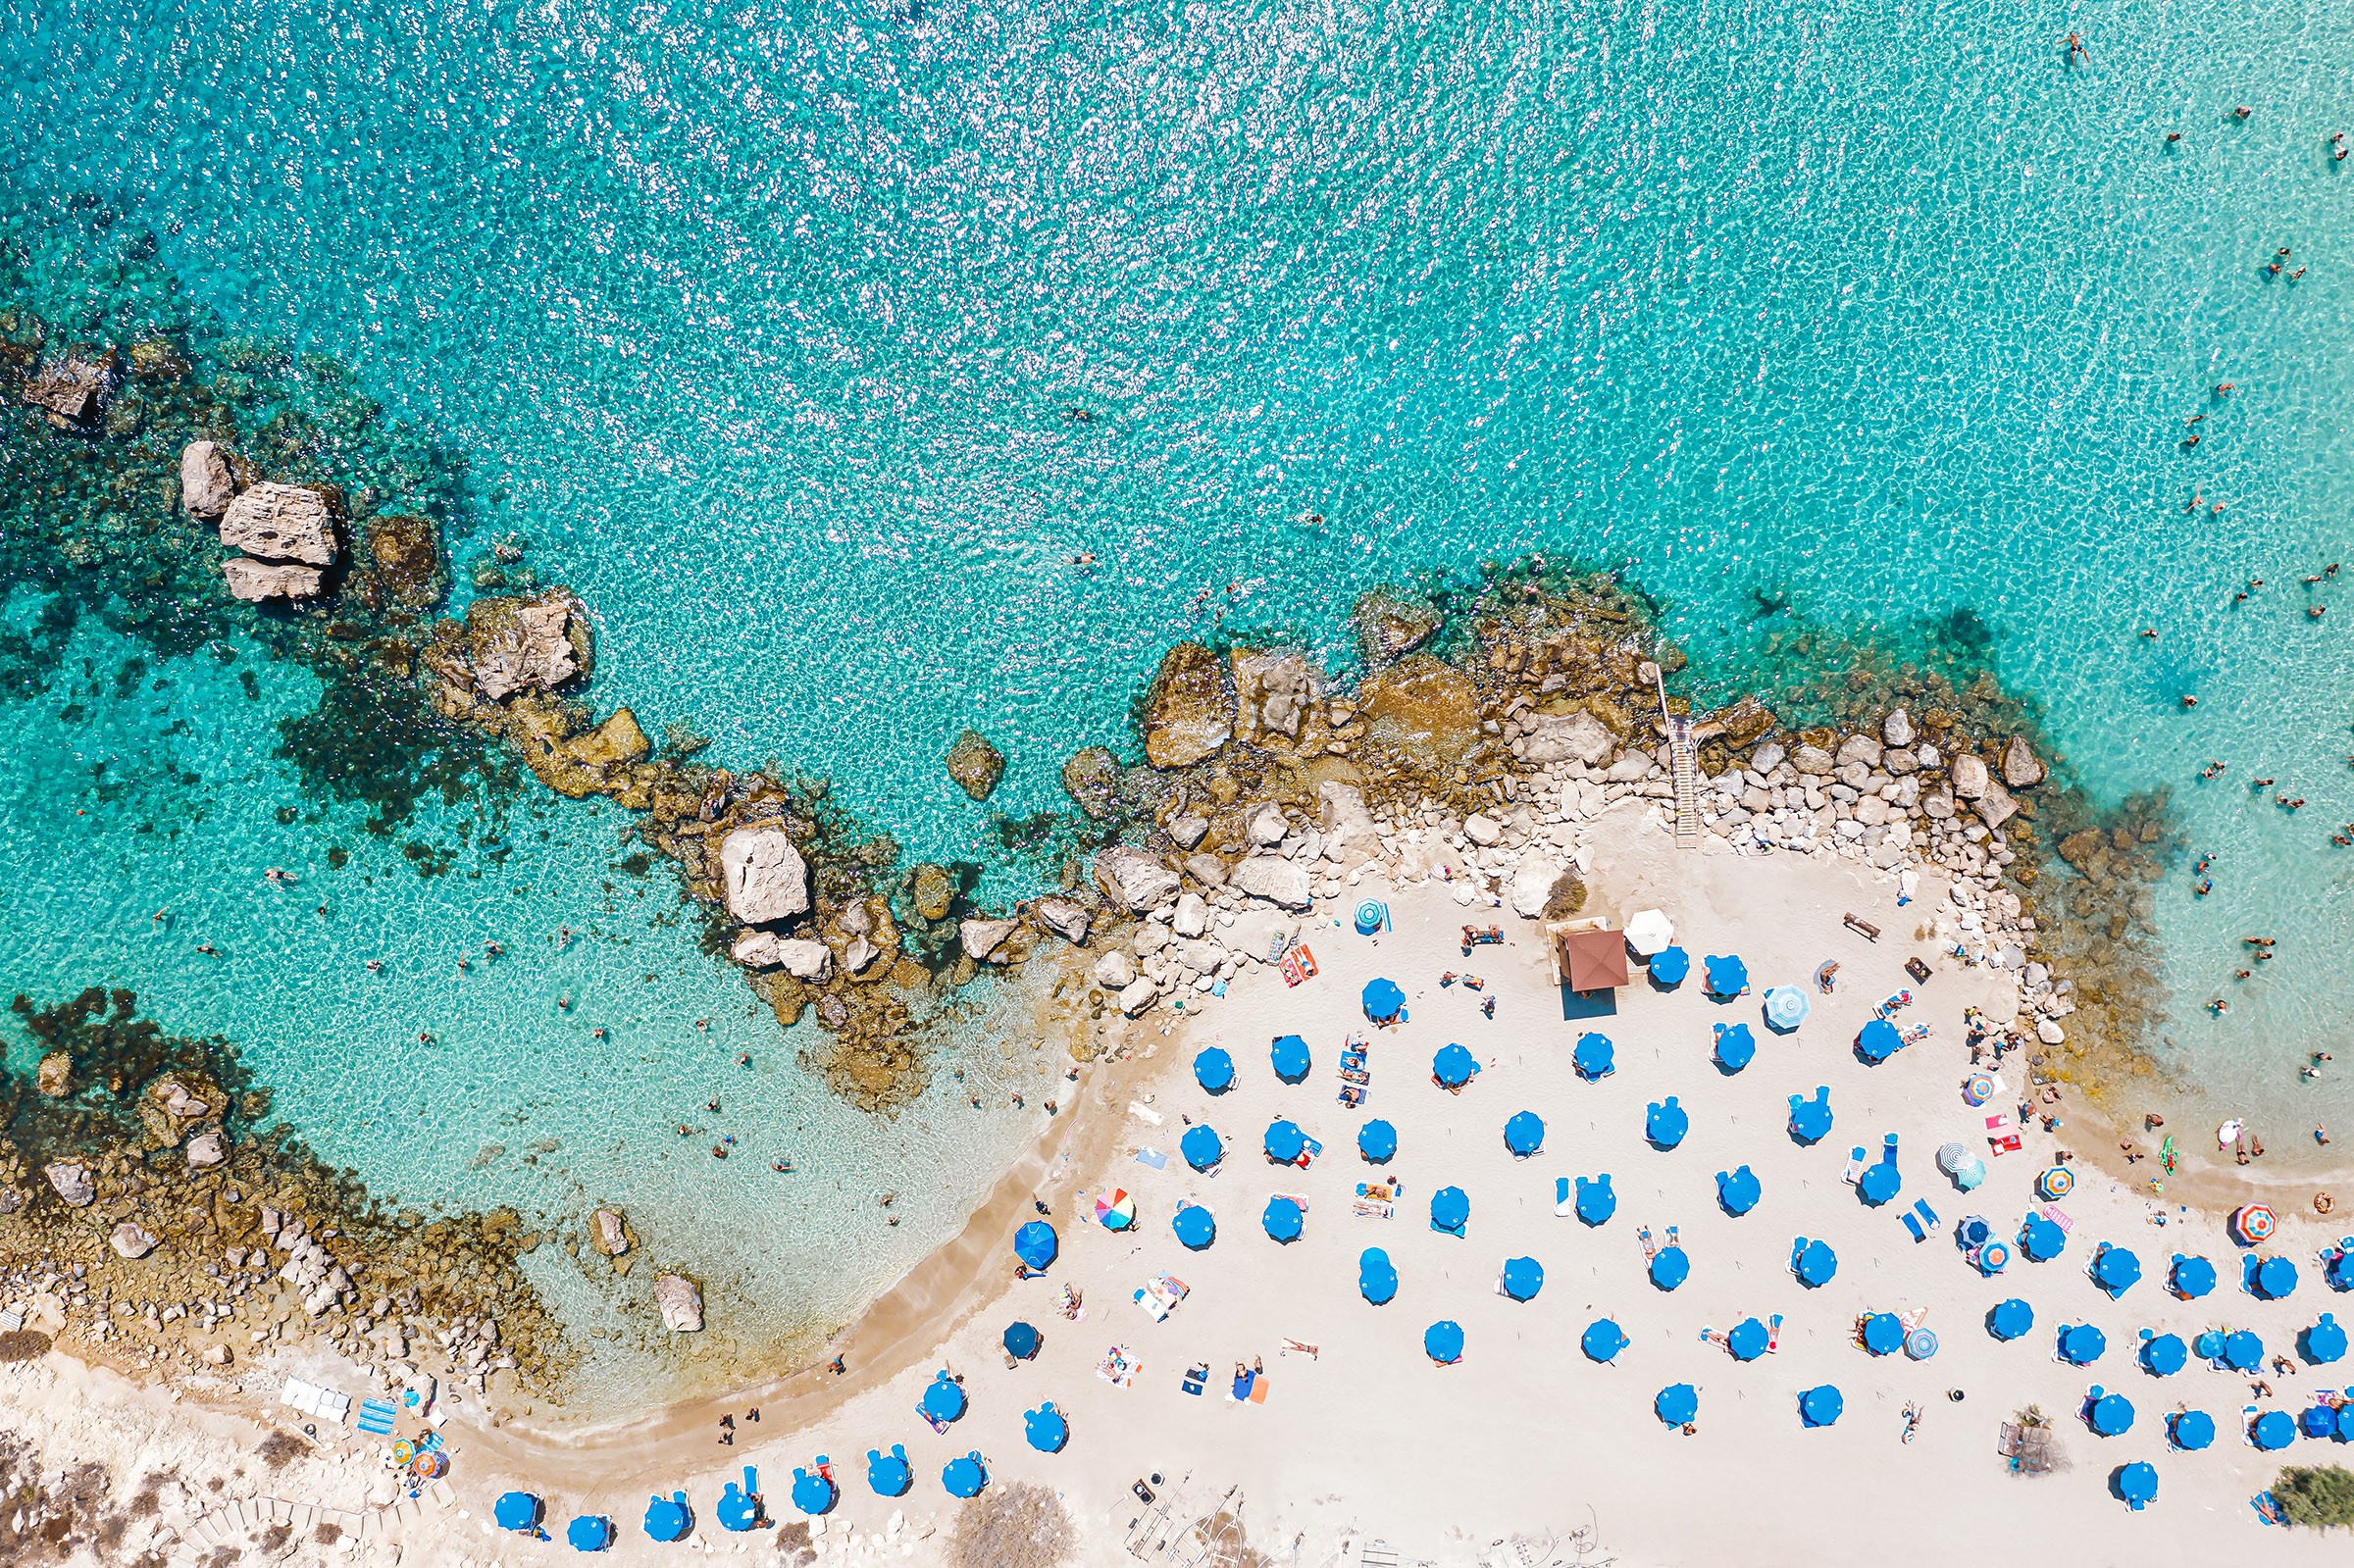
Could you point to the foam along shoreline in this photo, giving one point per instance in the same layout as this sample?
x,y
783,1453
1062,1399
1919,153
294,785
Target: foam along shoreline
x,y
1490,1425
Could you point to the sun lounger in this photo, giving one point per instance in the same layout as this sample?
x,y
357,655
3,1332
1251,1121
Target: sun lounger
x,y
1913,1224
1351,1095
1856,1164
931,1420
1870,931
1373,1209
1300,1198
1928,1215
1565,1202
1773,1333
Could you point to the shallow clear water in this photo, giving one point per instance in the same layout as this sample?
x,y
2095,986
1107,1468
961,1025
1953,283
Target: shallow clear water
x,y
763,326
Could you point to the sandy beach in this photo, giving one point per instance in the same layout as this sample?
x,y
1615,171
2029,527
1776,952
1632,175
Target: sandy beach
x,y
1365,1445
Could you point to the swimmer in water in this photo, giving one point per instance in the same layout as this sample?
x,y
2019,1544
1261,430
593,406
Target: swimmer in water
x,y
375,966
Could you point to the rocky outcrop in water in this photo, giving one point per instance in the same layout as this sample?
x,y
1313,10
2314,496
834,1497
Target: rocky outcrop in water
x,y
207,483
765,878
528,648
254,581
975,764
1189,713
681,1302
282,523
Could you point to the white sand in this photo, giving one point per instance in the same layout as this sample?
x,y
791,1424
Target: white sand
x,y
1372,1440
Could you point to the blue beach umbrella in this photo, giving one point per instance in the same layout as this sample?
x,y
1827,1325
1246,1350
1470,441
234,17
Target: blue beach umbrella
x,y
1811,1119
668,1518
1879,1040
1669,967
1383,1001
2275,1278
1786,1007
2273,1431
1815,1264
2324,1342
2114,1269
1883,1334
2137,1484
1669,1267
1377,1140
1727,975
2041,1239
1450,1210
2317,1421
888,1474
1202,1146
1376,1279
1213,1070
1596,1202
2011,1320
1021,1340
1523,1278
1602,1341
1748,1340
2191,1430
1665,1123
1284,1142
1289,1053
1196,1227
2339,1275
1738,1191
516,1510
965,1477
2193,1276
1591,1056
1819,1407
1046,1429
944,1400
2165,1355
1677,1404
1452,1066
1034,1244
2111,1415
1281,1219
2243,1351
1443,1342
1736,1048
813,1493
1879,1182
2345,1423
738,1507
2081,1344
1524,1134
589,1533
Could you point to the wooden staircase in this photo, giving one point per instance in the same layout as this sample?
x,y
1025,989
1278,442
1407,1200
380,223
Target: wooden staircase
x,y
1683,762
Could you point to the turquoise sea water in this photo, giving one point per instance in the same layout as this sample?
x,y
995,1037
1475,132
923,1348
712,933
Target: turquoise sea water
x,y
765,327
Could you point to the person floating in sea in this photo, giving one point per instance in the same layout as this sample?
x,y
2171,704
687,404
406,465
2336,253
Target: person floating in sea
x,y
2218,1007
2242,112
598,1032
207,950
2189,701
495,949
2075,47
744,1058
2203,888
2172,136
2225,389
2261,784
1084,558
157,918
375,966
2212,770
2241,974
461,963
2316,611
713,1106
2340,839
2192,439
2195,418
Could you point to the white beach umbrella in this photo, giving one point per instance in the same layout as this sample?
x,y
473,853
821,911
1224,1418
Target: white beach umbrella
x,y
1649,932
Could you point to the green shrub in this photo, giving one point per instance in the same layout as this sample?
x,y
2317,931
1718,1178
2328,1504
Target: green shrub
x,y
2320,1497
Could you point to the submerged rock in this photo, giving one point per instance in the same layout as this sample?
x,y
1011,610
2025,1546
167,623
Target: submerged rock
x,y
55,1076
575,765
609,1233
1272,693
71,1179
1134,881
207,483
932,891
765,878
254,581
69,390
206,1151
2021,768
133,1242
282,523
1092,778
975,764
176,1105
406,554
1389,624
682,1302
1189,713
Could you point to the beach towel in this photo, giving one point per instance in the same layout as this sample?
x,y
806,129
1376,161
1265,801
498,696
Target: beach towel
x,y
1300,1198
1152,1157
1196,1380
1258,1389
2052,1212
1913,1224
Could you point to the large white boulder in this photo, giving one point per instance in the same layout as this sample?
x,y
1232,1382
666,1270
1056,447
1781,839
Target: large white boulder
x,y
1575,738
256,581
281,523
1132,880
206,483
765,877
1531,884
1066,918
682,1302
983,940
1281,881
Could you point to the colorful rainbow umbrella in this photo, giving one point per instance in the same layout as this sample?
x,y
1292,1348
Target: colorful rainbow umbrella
x,y
1115,1210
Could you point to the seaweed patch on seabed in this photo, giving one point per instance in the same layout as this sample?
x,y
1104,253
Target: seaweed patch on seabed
x,y
139,1166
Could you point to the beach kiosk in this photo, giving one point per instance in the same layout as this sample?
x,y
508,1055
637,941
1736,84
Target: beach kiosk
x,y
1588,957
